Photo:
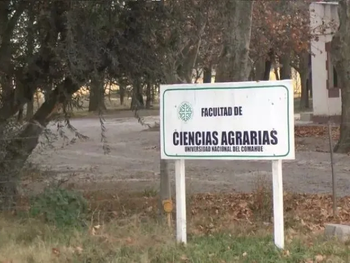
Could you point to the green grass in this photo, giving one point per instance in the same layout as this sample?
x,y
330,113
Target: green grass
x,y
221,228
135,240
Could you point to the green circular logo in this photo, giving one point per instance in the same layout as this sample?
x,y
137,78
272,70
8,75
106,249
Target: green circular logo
x,y
185,111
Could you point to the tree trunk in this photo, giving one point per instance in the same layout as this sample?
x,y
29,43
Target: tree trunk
x,y
165,186
20,115
310,80
343,145
156,93
137,96
234,64
340,50
153,93
277,74
30,51
257,71
309,85
8,23
164,176
304,72
19,148
268,65
304,101
6,88
207,72
30,109
267,70
122,89
97,94
148,95
286,69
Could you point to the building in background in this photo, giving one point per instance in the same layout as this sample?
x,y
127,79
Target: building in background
x,y
326,97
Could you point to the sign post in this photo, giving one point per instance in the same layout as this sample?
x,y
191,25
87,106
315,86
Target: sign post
x,y
277,186
228,121
180,185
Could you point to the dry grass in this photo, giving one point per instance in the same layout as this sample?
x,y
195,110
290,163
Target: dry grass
x,y
31,241
262,205
137,239
221,228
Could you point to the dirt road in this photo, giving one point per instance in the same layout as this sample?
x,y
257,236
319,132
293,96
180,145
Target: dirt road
x,y
133,163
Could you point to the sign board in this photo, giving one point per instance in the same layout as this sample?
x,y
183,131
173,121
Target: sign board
x,y
240,120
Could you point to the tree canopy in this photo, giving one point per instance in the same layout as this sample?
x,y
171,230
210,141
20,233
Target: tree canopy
x,y
59,46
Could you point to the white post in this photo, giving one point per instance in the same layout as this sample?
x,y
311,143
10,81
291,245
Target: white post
x,y
180,181
278,203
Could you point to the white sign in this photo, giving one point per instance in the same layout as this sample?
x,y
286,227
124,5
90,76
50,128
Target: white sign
x,y
241,120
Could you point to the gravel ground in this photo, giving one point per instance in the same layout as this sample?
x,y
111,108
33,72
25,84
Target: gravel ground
x,y
133,163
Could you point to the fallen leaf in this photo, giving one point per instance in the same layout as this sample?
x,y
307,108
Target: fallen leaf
x,y
56,252
184,258
94,229
286,253
309,211
129,240
319,258
315,131
79,250
115,214
71,250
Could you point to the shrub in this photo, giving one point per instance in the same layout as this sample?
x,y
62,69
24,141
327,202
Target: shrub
x,y
60,206
262,205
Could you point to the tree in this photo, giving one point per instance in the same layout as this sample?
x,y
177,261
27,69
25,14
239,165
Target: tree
x,y
170,40
68,45
74,40
30,48
234,65
97,93
281,37
340,50
178,39
301,63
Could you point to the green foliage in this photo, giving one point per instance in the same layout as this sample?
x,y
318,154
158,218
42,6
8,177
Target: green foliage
x,y
59,206
150,192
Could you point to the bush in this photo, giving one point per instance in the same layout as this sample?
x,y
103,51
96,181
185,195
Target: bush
x,y
60,206
261,204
